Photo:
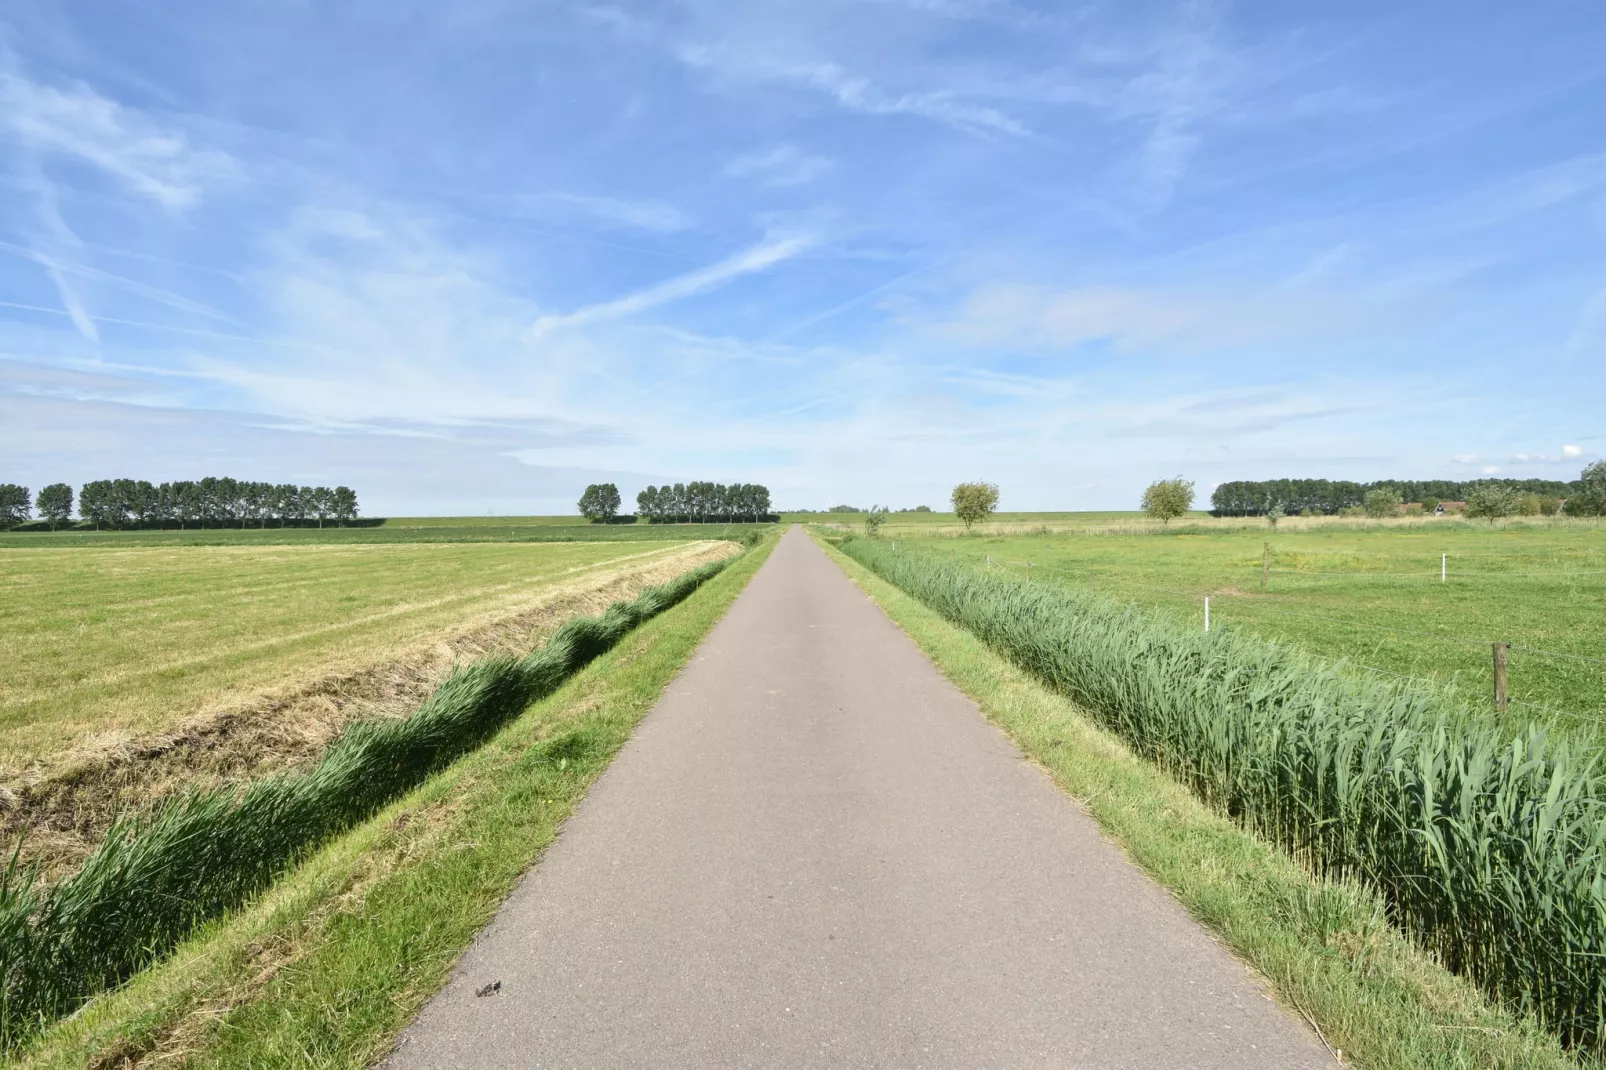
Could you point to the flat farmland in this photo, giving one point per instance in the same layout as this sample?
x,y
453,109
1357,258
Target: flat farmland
x,y
109,641
1369,594
388,532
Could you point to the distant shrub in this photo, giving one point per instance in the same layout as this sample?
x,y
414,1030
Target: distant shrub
x,y
1590,498
974,502
1381,502
1167,499
1549,506
1491,501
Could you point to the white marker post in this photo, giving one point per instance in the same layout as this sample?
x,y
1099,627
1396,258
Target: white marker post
x,y
1207,613
1444,568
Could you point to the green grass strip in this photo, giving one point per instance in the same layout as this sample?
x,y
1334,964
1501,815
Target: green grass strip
x,y
1324,945
153,880
1485,842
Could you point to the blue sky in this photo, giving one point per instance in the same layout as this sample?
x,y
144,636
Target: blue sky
x,y
469,257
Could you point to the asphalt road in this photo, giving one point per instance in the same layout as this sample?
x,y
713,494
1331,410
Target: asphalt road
x,y
815,852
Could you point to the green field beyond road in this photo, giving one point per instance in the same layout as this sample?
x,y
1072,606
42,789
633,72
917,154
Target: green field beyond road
x,y
94,640
1371,596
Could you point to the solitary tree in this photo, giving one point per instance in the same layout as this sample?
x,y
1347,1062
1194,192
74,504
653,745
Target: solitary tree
x,y
1275,513
1381,501
974,502
600,502
1167,499
1590,499
1491,500
874,519
55,504
15,505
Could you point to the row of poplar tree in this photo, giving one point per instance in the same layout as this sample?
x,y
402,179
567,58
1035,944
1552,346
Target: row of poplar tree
x,y
704,502
211,502
683,503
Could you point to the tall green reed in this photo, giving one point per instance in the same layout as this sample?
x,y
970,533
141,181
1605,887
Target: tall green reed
x,y
154,879
1486,839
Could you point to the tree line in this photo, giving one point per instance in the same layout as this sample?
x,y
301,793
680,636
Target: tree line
x,y
701,501
211,502
681,503
1330,496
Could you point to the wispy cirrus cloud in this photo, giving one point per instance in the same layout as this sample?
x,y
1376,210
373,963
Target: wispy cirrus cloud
x,y
784,165
748,261
1150,320
614,211
855,92
79,123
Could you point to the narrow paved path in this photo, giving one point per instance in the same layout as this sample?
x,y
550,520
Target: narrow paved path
x,y
816,853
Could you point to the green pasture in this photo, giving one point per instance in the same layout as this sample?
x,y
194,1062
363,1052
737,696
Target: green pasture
x,y
132,637
1370,594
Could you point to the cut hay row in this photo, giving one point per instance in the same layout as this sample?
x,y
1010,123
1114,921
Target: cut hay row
x,y
1486,840
154,880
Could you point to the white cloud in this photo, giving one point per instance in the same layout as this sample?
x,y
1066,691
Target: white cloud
x,y
1133,319
80,123
758,258
71,301
642,215
857,93
1568,453
784,165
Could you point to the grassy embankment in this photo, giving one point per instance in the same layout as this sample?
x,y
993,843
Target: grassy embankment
x,y
1324,945
116,642
374,919
1371,595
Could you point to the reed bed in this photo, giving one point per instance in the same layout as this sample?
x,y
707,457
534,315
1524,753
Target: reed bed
x,y
1485,839
155,879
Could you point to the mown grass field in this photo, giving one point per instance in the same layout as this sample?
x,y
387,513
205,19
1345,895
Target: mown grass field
x,y
110,639
1366,592
390,531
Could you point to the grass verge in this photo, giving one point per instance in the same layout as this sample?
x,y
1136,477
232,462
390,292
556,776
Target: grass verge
x,y
1325,947
326,967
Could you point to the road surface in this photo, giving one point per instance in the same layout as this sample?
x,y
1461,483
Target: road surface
x,y
815,852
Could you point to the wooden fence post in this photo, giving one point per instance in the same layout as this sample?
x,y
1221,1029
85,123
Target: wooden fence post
x,y
1502,695
1265,563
